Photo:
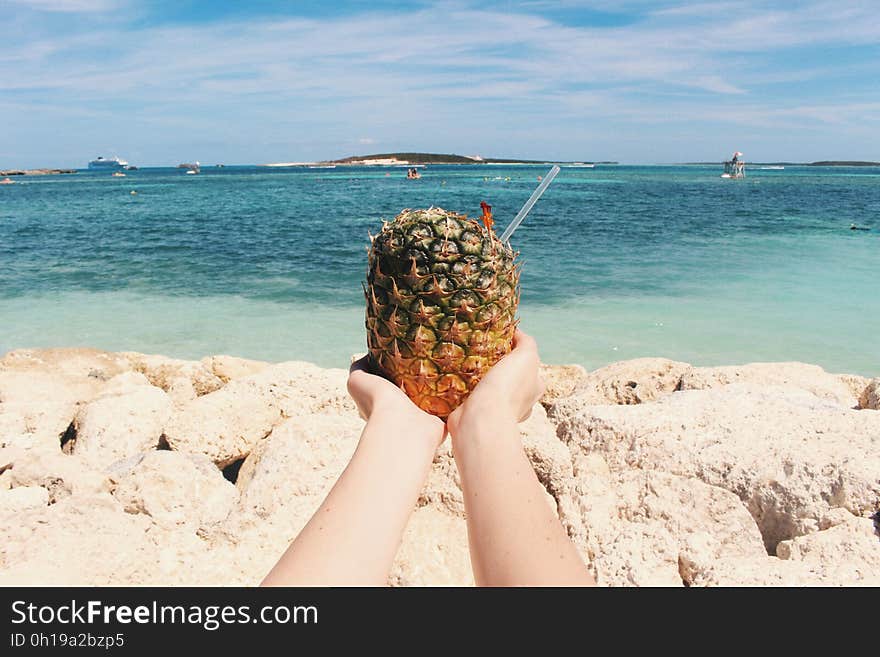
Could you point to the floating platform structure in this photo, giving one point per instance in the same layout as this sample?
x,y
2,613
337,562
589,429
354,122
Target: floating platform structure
x,y
735,167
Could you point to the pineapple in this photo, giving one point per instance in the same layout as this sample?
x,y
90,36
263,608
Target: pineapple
x,y
442,293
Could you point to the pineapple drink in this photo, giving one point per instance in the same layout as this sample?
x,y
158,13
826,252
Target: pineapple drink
x,y
442,293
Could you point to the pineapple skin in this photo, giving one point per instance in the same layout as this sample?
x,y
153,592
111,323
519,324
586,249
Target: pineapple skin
x,y
442,293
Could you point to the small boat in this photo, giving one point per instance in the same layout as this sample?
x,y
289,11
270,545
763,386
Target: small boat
x,y
190,168
191,172
7,181
322,166
773,168
118,174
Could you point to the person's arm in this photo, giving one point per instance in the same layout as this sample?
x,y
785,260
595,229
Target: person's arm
x,y
353,537
515,538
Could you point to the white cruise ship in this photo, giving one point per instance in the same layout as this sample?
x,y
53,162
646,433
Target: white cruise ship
x,y
104,164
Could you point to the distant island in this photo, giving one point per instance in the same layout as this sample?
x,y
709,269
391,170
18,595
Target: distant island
x,y
843,163
427,158
414,159
34,172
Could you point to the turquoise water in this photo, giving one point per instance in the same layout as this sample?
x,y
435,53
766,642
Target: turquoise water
x,y
620,261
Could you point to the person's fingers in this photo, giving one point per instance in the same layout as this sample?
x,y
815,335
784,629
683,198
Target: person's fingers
x,y
524,341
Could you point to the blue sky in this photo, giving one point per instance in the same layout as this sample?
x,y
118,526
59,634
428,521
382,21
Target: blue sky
x,y
265,81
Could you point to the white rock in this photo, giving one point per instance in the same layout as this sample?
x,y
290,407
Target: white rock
x,y
848,554
227,368
125,420
561,381
434,551
91,541
179,378
36,408
301,458
61,475
69,363
22,499
227,424
176,490
632,381
812,378
650,528
788,455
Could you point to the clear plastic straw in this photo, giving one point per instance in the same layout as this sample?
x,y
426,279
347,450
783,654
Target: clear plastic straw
x,y
518,219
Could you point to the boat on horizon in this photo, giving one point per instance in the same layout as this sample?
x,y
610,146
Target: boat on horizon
x,y
101,163
772,168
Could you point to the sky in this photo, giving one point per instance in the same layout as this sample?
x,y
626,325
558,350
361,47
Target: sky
x,y
634,81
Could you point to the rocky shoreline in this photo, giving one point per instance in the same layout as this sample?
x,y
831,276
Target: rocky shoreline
x,y
34,172
125,468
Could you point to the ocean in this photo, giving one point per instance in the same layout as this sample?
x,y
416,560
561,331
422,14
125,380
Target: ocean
x,y
619,261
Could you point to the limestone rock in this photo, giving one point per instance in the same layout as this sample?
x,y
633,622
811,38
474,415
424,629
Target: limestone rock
x,y
812,378
36,408
561,381
22,499
61,475
548,455
90,540
847,554
301,458
227,368
182,380
693,488
790,456
225,428
442,488
870,397
176,490
632,381
227,424
434,551
854,383
72,363
126,419
649,528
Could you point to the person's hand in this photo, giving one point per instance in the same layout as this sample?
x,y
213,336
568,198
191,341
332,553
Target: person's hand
x,y
509,389
377,396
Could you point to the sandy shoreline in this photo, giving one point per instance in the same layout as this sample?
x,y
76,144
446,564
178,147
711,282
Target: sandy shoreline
x,y
124,468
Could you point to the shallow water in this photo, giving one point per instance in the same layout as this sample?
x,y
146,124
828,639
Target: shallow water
x,y
620,262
